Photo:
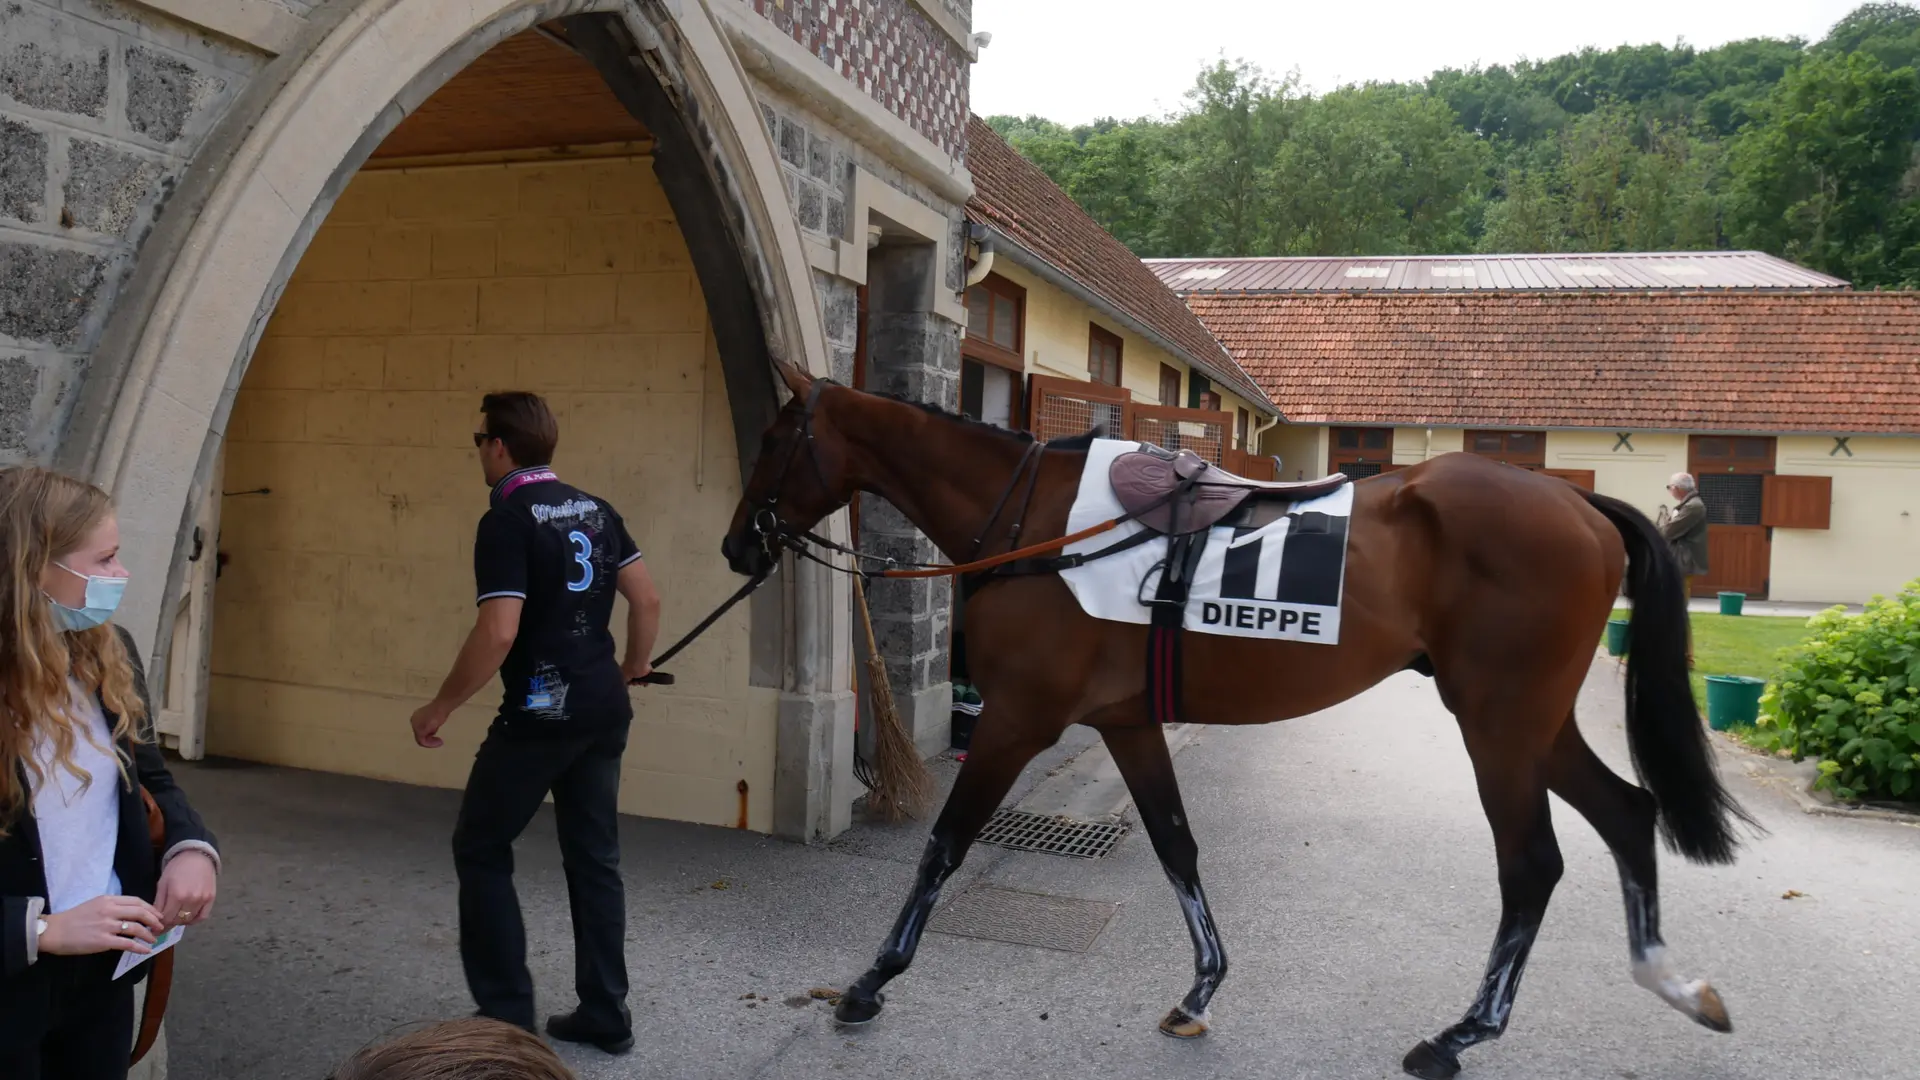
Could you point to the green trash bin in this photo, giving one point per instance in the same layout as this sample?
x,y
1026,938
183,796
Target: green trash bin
x,y
1617,637
1732,602
1733,700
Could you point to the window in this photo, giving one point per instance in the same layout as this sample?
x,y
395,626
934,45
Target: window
x,y
1360,451
996,318
1198,387
1169,385
1103,356
1526,449
988,393
1347,440
1240,428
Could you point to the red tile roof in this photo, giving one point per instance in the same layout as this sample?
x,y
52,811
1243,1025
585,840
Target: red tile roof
x,y
1013,197
1813,362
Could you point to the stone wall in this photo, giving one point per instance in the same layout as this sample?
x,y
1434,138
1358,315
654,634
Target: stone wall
x,y
101,107
893,52
911,351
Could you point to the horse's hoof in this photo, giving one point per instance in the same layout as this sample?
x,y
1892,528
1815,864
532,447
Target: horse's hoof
x,y
1712,1012
1429,1062
1182,1026
853,1011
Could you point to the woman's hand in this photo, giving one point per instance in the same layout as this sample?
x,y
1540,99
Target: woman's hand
x,y
186,891
102,924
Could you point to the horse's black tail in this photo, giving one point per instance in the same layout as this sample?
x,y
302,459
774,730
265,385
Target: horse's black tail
x,y
1671,754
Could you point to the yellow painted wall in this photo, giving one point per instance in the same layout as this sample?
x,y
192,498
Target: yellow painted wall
x,y
350,587
1412,445
1638,476
1057,340
1302,449
1874,543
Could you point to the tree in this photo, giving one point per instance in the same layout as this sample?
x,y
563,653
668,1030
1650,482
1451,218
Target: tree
x,y
1822,176
1376,170
1890,33
1530,216
1213,191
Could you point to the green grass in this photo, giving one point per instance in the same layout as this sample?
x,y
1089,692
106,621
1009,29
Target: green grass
x,y
1737,645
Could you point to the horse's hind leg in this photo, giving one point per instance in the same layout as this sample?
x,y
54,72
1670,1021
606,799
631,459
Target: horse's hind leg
x,y
1141,754
1513,791
1625,817
1002,746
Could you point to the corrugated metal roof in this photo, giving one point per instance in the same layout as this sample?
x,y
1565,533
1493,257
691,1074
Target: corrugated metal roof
x,y
1607,272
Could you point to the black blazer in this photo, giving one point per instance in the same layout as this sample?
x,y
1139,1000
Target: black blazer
x,y
22,876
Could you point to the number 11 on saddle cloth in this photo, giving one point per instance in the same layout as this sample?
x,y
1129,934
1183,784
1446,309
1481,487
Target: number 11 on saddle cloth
x,y
1275,570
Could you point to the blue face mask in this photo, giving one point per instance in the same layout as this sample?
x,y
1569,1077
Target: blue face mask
x,y
103,597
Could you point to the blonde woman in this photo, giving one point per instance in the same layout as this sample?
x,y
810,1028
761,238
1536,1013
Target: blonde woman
x,y
79,884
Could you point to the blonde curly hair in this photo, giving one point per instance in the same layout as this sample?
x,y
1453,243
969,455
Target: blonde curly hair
x,y
45,516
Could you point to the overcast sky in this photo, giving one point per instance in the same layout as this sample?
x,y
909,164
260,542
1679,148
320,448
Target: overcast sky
x,y
1077,60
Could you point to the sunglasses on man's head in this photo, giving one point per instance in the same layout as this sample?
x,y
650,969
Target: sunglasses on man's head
x,y
481,438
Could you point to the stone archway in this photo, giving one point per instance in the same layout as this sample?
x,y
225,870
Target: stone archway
x,y
154,411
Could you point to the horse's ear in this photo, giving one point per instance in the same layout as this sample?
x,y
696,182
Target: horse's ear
x,y
797,380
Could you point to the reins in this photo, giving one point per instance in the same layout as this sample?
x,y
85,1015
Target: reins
x,y
777,536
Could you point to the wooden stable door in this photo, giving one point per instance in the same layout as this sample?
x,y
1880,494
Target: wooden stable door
x,y
1732,473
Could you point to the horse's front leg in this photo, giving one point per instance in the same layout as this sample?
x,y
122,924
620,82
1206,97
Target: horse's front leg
x,y
1002,746
1141,754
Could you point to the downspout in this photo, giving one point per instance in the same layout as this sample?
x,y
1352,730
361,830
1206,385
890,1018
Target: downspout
x,y
983,239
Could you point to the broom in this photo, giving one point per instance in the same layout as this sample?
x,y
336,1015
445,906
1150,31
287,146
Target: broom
x,y
902,786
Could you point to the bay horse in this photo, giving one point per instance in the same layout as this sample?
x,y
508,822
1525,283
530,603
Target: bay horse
x,y
1495,581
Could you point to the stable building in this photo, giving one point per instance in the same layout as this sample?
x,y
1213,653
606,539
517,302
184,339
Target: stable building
x,y
1067,328
1794,400
259,262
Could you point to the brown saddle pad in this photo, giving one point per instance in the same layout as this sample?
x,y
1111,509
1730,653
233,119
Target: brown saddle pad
x,y
1142,481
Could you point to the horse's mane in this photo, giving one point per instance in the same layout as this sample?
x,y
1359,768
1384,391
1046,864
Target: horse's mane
x,y
1065,442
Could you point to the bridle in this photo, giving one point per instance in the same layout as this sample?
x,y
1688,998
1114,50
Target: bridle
x,y
777,535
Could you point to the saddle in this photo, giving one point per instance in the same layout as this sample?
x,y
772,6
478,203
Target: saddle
x,y
1180,495
1179,492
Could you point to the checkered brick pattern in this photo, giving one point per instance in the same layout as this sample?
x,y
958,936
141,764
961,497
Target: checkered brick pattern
x,y
890,50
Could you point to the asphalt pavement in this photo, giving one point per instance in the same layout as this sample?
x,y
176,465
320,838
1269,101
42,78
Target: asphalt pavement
x,y
1345,853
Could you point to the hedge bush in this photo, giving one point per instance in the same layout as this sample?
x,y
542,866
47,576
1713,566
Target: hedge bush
x,y
1850,696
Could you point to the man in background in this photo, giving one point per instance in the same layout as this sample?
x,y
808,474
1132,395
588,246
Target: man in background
x,y
547,561
1685,527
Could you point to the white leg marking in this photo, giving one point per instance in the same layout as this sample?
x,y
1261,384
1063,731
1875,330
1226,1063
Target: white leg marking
x,y
1656,973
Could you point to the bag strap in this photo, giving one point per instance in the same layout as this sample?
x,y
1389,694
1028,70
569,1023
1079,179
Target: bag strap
x,y
160,977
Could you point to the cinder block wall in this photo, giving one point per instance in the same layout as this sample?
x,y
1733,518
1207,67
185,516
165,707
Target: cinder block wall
x,y
349,587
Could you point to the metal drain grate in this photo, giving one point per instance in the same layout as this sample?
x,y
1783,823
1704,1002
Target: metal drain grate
x,y
1022,831
1022,918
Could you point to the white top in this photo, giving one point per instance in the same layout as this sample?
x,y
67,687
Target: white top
x,y
79,821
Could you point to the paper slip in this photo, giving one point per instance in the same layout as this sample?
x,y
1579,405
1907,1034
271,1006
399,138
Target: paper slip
x,y
130,960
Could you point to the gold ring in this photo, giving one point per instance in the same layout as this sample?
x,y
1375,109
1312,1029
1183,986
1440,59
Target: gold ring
x,y
123,928
186,914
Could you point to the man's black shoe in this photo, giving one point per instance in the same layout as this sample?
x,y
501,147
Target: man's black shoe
x,y
569,1028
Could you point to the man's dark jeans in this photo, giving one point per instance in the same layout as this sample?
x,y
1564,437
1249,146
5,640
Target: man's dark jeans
x,y
512,774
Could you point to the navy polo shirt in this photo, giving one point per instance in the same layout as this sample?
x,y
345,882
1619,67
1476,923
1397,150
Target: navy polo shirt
x,y
560,550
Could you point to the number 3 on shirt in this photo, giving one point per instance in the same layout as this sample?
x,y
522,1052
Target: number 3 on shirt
x,y
585,553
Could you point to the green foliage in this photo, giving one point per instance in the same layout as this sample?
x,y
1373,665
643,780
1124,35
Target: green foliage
x,y
1822,175
1805,151
1850,697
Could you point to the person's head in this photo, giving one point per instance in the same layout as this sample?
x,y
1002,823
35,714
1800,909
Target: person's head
x,y
516,431
60,582
1680,485
473,1049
